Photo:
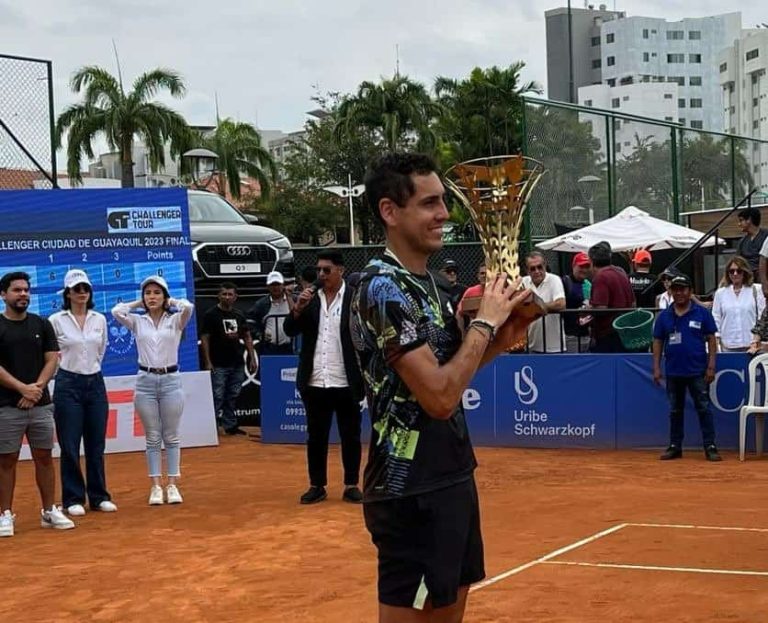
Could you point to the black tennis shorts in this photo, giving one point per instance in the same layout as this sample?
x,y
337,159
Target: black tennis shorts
x,y
429,545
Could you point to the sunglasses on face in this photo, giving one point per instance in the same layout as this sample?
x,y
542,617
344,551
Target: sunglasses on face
x,y
536,268
326,270
450,270
735,271
81,288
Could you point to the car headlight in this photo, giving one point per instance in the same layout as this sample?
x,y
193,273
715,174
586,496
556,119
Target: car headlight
x,y
284,250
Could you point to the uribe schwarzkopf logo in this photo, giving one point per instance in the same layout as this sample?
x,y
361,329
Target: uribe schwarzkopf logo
x,y
526,389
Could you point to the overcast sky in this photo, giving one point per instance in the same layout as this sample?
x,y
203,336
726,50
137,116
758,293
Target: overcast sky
x,y
266,59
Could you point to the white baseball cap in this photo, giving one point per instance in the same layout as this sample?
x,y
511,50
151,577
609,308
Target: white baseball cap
x,y
74,277
156,279
275,277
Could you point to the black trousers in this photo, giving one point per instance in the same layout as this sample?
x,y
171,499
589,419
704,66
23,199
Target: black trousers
x,y
321,403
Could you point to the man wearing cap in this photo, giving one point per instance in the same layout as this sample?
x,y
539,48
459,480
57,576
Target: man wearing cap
x,y
224,338
685,331
268,315
577,287
455,290
610,289
644,283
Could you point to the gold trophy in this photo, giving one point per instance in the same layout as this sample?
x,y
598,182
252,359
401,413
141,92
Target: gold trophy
x,y
495,191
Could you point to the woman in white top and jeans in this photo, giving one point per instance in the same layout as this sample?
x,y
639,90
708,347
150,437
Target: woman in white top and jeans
x,y
737,306
80,397
159,397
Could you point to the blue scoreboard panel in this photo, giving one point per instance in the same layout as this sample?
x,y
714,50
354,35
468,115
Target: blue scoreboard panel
x,y
118,237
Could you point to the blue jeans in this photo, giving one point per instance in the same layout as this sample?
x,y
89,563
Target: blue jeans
x,y
80,411
697,387
159,399
227,383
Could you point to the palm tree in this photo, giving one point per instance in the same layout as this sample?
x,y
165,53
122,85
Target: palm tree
x,y
399,110
482,112
240,151
122,117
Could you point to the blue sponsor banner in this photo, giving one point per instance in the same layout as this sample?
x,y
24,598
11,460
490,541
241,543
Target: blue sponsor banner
x,y
642,408
283,416
549,401
117,236
555,401
479,403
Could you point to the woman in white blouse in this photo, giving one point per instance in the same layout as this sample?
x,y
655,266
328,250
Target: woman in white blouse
x,y
80,397
159,397
737,306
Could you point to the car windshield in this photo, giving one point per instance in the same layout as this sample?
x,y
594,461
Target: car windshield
x,y
210,208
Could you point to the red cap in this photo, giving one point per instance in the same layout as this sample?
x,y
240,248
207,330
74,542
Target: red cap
x,y
581,259
642,257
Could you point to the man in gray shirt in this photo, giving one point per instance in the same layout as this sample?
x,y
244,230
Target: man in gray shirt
x,y
754,238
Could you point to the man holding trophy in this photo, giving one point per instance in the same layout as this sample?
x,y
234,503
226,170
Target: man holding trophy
x,y
420,500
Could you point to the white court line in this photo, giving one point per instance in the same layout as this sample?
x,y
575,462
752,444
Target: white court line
x,y
654,568
555,554
691,527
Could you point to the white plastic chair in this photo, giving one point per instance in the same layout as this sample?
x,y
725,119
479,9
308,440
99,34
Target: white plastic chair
x,y
756,404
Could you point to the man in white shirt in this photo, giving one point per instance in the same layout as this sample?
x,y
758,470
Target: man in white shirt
x,y
549,288
328,377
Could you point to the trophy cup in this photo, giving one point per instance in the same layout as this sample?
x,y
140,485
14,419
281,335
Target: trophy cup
x,y
495,191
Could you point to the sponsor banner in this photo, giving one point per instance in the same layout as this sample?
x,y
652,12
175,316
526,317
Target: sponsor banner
x,y
550,401
124,430
118,237
283,416
642,407
555,401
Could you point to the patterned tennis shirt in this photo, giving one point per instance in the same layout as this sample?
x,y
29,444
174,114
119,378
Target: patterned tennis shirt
x,y
394,312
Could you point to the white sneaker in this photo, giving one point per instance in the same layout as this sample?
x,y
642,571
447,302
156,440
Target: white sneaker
x,y
173,495
55,519
6,523
155,495
107,506
76,510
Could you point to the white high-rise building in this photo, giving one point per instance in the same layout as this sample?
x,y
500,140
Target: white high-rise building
x,y
658,100
744,105
652,50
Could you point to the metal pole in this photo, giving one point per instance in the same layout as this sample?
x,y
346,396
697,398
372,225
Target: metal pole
x,y
570,56
52,125
609,161
351,213
733,172
675,178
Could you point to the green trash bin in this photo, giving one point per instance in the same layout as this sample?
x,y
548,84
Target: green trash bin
x,y
635,329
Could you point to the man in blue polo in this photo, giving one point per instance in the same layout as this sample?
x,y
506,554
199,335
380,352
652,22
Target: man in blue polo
x,y
682,331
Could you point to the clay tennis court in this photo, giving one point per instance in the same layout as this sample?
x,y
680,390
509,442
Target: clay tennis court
x,y
559,526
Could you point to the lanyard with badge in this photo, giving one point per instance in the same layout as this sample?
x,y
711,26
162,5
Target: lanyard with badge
x,y
675,338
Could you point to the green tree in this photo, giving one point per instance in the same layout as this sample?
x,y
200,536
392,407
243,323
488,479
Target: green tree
x,y
398,110
299,207
482,112
121,117
240,151
569,150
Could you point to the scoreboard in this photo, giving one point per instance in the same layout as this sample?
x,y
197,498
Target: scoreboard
x,y
117,236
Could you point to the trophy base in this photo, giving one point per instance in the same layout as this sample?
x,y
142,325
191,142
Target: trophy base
x,y
520,318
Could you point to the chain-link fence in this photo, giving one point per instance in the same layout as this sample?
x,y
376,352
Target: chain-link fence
x,y
27,154
600,161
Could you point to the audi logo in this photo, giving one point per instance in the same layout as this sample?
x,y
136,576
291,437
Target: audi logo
x,y
238,250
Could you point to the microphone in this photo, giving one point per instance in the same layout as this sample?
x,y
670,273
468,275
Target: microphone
x,y
316,286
